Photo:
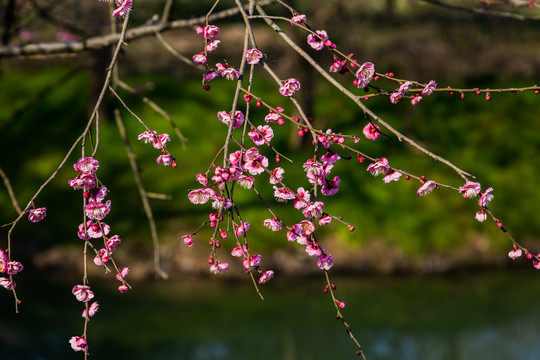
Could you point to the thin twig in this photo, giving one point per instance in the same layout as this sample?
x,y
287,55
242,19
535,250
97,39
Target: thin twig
x,y
10,191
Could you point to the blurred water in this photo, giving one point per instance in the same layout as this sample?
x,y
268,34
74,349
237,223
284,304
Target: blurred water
x,y
491,316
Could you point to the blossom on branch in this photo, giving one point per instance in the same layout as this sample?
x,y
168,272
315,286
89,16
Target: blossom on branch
x,y
470,189
38,214
426,188
379,167
289,87
78,343
82,293
371,131
124,7
253,56
364,74
317,42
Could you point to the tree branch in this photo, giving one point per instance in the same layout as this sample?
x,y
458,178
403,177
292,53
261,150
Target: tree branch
x,y
479,11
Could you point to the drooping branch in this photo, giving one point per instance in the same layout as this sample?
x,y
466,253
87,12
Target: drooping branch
x,y
485,12
100,42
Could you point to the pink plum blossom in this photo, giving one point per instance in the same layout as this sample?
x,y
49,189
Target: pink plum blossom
x,y
212,45
148,136
379,167
245,181
331,187
371,131
6,283
93,230
78,343
298,19
486,197
313,250
253,56
330,158
317,42
283,194
83,181
313,167
415,100
225,118
239,251
325,262
124,7
188,240
102,257
266,276
211,75
514,253
165,159
230,73
313,210
272,117
302,198
392,176
201,196
82,293
87,165
91,310
289,87
404,88
3,260
277,175
112,243
97,210
14,267
336,66
123,288
199,59
365,74
202,179
429,88
242,228
262,135
481,216
37,214
272,224
426,188
325,220
254,261
470,189
123,273
210,31
219,267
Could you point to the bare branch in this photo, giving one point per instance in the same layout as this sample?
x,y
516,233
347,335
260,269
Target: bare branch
x,y
480,11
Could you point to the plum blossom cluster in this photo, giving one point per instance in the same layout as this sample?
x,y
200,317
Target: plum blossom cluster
x,y
9,267
159,142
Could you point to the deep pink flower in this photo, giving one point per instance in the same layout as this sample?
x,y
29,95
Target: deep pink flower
x,y
211,75
188,240
313,167
201,196
371,131
330,158
78,343
378,168
112,243
298,19
14,267
87,165
514,253
394,98
392,176
82,293
83,181
415,100
165,159
325,262
272,117
148,136
486,197
199,59
430,87
219,267
6,283
93,230
303,197
404,88
317,42
3,261
365,74
245,181
266,277
123,288
102,257
283,194
263,135
210,31
426,188
289,87
272,224
314,251
277,175
254,260
92,310
225,118
160,141
123,273
212,45
239,251
124,7
242,228
313,210
470,189
331,187
253,56
35,215
230,73
97,210
327,219
336,66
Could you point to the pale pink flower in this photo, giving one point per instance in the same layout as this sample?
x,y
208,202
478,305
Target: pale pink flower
x,y
101,194
365,74
470,189
202,179
331,187
312,250
35,215
124,7
83,181
245,181
148,136
3,261
430,87
304,227
14,267
160,141
514,253
313,167
289,87
272,224
404,88
263,135
7,284
78,343
325,262
219,267
272,117
230,73
256,166
371,131
165,159
92,310
298,19
102,257
415,100
486,197
199,59
327,219
426,188
210,31
392,176
481,216
123,288
302,198
201,196
97,210
93,230
254,260
394,98
82,293
313,210
212,45
266,277
123,273
277,175
378,168
239,251
112,243
317,42
242,228
225,118
253,56
283,194
87,165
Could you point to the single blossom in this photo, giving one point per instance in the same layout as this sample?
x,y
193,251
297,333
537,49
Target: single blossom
x,y
242,228
87,165
188,240
277,175
210,31
92,309
371,131
122,274
123,288
313,210
199,59
78,343
230,73
470,189
486,197
93,230
212,45
289,87
124,7
254,261
219,267
404,88
266,276
35,215
83,181
426,188
324,220
302,198
82,293
253,56
210,75
298,19
201,196
481,216
317,42
165,159
514,253
283,194
160,141
6,283
272,224
97,210
379,167
149,136
4,259
225,118
112,243
415,100
365,74
325,262
392,176
429,88
14,267
262,135
245,181
239,251
331,187
313,250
